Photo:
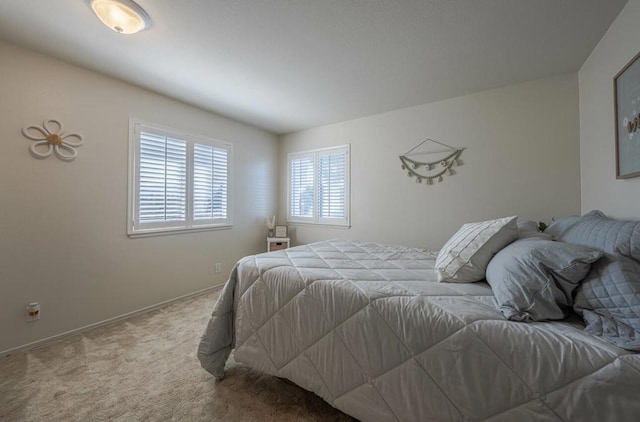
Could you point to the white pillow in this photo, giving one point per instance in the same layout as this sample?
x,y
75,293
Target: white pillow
x,y
464,258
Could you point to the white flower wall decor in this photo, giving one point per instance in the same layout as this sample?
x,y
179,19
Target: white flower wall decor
x,y
49,139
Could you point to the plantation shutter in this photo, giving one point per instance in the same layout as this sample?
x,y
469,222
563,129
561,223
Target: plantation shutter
x,y
319,186
210,182
332,184
177,181
301,187
162,179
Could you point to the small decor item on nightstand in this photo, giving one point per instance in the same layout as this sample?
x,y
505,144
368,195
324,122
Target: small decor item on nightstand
x,y
281,231
271,224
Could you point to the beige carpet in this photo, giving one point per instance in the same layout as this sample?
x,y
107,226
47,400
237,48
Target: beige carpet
x,y
145,369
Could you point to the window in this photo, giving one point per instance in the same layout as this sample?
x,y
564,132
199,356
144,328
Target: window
x,y
318,186
177,181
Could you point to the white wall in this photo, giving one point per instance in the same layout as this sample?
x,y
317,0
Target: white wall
x,y
63,225
600,188
522,158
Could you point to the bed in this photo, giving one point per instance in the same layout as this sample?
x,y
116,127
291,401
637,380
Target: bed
x,y
368,328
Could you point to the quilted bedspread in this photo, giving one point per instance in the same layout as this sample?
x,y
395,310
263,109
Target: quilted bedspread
x,y
366,327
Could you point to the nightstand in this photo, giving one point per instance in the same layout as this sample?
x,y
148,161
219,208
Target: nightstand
x,y
277,243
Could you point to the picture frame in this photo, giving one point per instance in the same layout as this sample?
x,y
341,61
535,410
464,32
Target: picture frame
x,y
281,231
626,92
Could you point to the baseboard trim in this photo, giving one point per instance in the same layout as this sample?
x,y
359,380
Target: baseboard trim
x,y
76,331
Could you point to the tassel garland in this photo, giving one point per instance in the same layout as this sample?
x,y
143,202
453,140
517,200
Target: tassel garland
x,y
446,164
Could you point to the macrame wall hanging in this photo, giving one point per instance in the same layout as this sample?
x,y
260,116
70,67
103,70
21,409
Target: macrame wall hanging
x,y
433,170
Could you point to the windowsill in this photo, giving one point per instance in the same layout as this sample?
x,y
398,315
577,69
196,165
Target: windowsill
x,y
169,231
321,225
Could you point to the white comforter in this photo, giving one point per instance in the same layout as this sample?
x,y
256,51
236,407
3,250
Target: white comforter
x,y
366,327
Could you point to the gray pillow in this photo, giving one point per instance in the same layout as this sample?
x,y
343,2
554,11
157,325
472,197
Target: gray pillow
x,y
533,279
609,297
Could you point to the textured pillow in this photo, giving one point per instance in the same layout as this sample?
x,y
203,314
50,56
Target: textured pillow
x,y
609,297
464,258
534,279
529,228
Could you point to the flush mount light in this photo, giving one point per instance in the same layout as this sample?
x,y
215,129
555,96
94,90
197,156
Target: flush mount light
x,y
122,16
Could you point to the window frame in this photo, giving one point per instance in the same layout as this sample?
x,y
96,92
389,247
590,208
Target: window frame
x,y
135,229
316,220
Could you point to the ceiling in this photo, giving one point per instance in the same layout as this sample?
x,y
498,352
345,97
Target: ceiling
x,y
287,65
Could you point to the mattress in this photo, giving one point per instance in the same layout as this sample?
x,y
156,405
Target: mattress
x,y
367,328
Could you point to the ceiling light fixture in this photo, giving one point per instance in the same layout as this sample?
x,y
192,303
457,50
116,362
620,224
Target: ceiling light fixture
x,y
122,16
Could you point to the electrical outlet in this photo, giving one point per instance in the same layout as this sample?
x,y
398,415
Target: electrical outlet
x,y
218,267
33,312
